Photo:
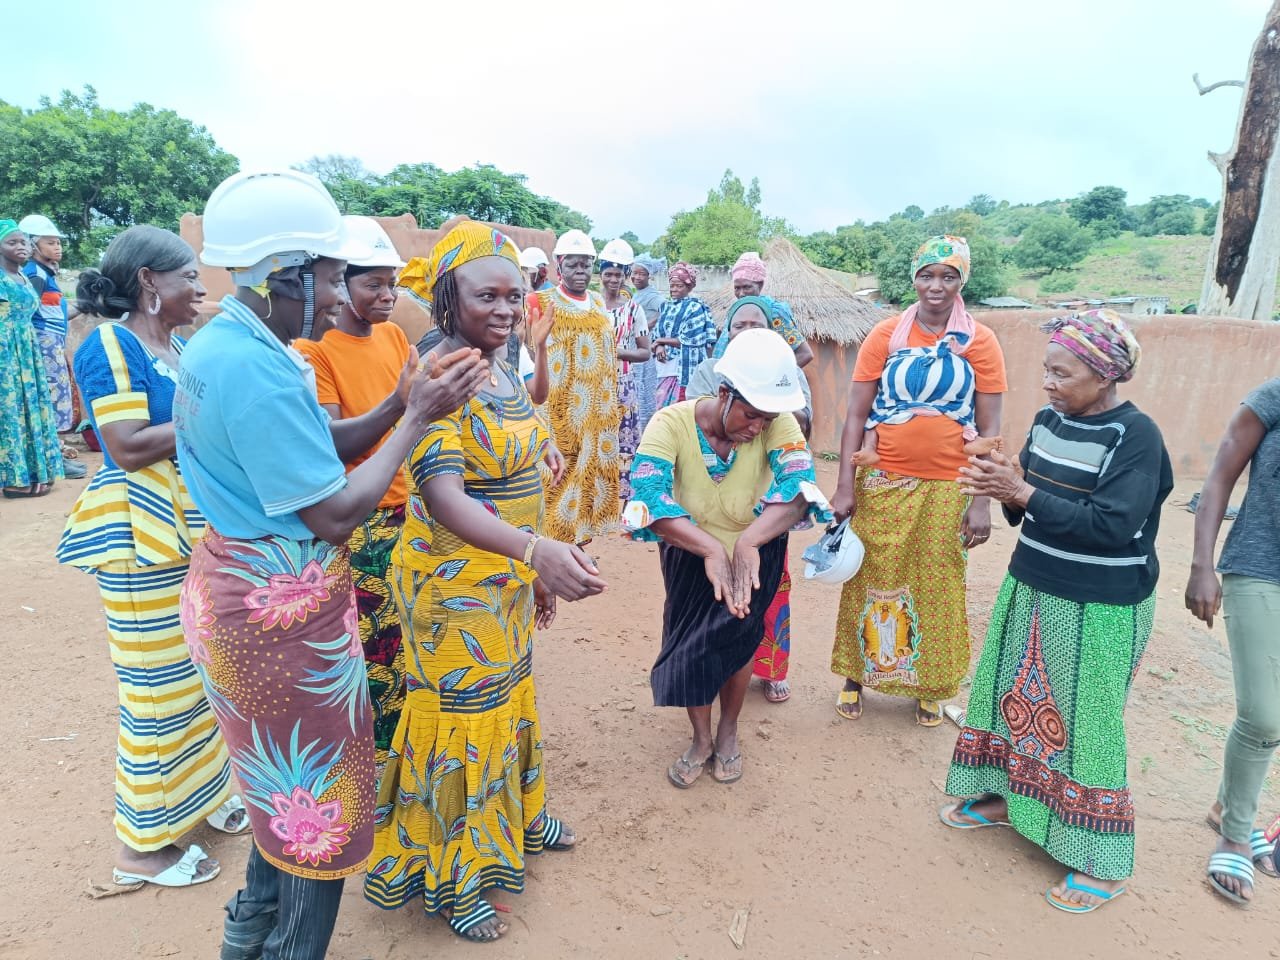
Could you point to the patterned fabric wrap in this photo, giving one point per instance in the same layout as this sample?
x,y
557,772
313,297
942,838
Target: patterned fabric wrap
x,y
371,545
461,802
466,242
683,273
749,267
668,392
583,412
29,448
780,319
628,433
953,251
688,320
1045,724
902,627
53,352
1101,339
773,656
172,769
645,376
926,382
272,628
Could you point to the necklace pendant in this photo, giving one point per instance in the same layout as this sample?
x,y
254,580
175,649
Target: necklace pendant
x,y
493,377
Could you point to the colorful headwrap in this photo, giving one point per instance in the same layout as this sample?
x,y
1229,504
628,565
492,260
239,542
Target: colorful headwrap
x,y
749,267
7,227
1099,338
683,273
953,251
466,242
654,265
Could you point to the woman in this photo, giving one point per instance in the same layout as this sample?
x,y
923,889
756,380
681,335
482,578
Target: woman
x,y
683,337
1043,749
631,337
267,607
650,300
30,456
720,480
582,394
358,365
749,274
902,628
133,528
462,800
1250,594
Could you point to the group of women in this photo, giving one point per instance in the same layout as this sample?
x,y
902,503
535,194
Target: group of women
x,y
321,554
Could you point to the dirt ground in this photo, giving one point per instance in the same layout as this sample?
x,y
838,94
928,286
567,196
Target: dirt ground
x,y
831,841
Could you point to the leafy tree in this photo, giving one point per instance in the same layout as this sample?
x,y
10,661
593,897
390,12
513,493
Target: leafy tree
x,y
1053,242
849,249
1100,204
1209,220
982,204
726,226
1170,214
1175,223
335,166
912,213
1060,281
95,171
1150,259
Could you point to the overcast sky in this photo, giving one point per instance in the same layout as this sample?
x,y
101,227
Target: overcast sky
x,y
630,112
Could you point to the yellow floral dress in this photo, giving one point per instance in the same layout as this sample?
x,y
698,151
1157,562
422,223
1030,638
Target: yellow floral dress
x,y
461,802
584,414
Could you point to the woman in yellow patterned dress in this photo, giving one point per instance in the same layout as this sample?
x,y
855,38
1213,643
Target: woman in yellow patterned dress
x,y
462,800
582,405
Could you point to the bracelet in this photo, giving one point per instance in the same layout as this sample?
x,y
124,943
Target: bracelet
x,y
528,550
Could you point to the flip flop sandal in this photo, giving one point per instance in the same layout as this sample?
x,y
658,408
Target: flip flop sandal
x,y
465,926
772,696
849,698
678,772
1068,907
227,814
1232,865
723,763
553,834
181,874
30,492
1262,849
928,713
965,809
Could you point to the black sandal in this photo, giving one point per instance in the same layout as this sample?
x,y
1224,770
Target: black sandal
x,y
467,926
553,836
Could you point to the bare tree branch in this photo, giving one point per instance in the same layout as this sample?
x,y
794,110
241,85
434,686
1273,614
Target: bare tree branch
x,y
1214,86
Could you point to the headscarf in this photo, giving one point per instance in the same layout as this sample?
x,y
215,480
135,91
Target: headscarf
x,y
767,305
7,227
1099,338
953,251
683,273
655,265
749,267
466,242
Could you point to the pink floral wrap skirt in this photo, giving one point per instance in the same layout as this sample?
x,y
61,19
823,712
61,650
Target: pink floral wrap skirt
x,y
272,628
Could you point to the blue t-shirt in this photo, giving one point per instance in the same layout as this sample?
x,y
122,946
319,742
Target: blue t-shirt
x,y
1252,548
119,379
253,443
51,315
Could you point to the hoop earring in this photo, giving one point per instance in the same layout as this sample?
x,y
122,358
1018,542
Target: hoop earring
x,y
155,304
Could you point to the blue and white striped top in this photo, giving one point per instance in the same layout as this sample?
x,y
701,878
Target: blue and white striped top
x,y
916,378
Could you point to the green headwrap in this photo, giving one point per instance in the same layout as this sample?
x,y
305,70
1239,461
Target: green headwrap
x,y
7,227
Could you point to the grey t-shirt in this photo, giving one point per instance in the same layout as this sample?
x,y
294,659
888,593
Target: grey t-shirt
x,y
704,382
1253,545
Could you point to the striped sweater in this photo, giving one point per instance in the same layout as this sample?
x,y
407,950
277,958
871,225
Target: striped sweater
x,y
1089,530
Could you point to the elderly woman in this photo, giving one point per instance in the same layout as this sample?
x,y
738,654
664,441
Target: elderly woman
x,y
643,292
720,480
902,627
749,274
683,338
462,804
1043,749
133,528
631,336
267,606
1249,595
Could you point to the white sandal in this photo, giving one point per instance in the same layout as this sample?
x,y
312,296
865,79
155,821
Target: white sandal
x,y
181,874
218,819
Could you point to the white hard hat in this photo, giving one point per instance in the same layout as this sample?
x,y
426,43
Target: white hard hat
x,y
531,258
369,231
574,243
257,223
619,252
836,557
761,368
38,225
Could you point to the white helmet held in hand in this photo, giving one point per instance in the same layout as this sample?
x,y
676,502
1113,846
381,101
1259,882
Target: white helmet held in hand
x,y
257,223
836,557
368,231
761,368
36,225
574,243
619,252
531,258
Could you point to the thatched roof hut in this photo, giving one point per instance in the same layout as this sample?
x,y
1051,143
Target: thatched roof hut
x,y
824,310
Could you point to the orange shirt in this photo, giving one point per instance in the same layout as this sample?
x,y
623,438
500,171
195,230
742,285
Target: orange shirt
x,y
357,374
928,447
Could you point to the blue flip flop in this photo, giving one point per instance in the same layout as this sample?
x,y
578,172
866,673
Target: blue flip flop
x,y
1068,907
966,809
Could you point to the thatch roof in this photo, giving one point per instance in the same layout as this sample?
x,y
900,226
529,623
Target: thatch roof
x,y
824,310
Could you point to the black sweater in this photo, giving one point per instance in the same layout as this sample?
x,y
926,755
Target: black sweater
x,y
1089,531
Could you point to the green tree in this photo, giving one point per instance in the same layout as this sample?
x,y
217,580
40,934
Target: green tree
x,y
1150,259
1100,204
1209,220
912,213
95,171
982,204
1053,242
726,226
849,249
1168,214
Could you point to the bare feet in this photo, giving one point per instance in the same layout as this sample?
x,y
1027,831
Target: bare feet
x,y
866,457
154,862
983,446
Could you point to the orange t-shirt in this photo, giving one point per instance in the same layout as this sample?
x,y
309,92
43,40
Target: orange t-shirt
x,y
357,374
928,447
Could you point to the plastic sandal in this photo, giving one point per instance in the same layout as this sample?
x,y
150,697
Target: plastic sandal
x,y
1232,865
849,698
965,809
218,819
928,713
552,835
679,771
723,763
1068,907
464,926
181,874
1261,849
